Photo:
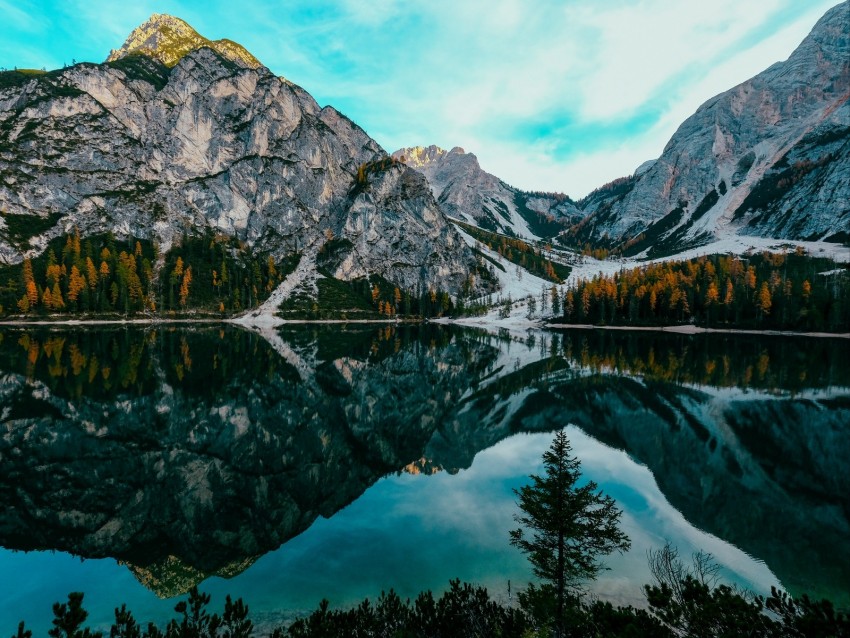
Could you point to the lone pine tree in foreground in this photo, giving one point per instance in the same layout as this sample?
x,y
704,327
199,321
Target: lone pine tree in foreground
x,y
565,527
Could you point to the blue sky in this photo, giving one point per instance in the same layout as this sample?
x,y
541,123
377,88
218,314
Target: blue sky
x,y
558,95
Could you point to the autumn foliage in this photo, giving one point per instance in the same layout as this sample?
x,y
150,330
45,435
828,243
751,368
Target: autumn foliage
x,y
767,291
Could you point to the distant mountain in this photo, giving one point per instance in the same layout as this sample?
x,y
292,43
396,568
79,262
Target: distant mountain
x,y
176,134
467,192
770,157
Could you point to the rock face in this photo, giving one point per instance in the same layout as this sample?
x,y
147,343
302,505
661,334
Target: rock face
x,y
217,142
770,157
168,39
466,192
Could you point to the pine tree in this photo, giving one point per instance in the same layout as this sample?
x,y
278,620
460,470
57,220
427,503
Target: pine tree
x,y
76,284
184,287
565,527
764,301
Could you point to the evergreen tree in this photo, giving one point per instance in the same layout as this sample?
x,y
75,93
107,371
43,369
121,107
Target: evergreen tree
x,y
69,618
565,527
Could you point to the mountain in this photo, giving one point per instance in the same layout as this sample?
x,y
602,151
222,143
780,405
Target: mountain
x,y
175,134
167,39
770,157
466,192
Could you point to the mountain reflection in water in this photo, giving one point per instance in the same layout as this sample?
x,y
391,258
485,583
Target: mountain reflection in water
x,y
185,453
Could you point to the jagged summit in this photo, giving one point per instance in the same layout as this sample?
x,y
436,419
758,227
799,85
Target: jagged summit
x,y
467,192
419,156
168,39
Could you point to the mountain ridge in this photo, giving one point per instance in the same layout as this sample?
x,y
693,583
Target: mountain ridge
x,y
769,157
467,192
138,148
167,39
720,171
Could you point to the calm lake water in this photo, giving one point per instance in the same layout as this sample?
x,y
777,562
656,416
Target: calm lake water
x,y
328,462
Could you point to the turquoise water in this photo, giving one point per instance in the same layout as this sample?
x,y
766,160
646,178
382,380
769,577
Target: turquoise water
x,y
315,464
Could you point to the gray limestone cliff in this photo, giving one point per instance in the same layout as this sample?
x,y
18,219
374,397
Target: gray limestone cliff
x,y
467,192
769,157
176,134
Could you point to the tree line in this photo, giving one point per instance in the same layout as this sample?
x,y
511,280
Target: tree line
x,y
102,274
780,291
219,273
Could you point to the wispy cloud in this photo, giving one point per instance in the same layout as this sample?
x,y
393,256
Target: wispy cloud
x,y
550,95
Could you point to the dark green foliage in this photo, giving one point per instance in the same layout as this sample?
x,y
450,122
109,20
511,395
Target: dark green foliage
x,y
520,253
196,621
583,619
69,618
565,527
778,181
22,631
683,605
235,622
20,228
649,238
101,274
18,77
463,611
490,261
122,283
690,601
125,625
615,189
332,253
804,617
368,298
705,205
694,608
49,83
700,610
361,179
141,67
226,276
540,224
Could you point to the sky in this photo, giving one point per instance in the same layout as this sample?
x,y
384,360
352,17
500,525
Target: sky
x,y
552,95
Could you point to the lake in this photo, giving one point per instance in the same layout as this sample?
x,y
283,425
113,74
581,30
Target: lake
x,y
334,462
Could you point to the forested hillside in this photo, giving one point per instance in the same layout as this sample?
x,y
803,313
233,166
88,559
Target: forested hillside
x,y
102,275
763,291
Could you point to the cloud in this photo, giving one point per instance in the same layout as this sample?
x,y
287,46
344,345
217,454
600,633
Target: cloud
x,y
550,95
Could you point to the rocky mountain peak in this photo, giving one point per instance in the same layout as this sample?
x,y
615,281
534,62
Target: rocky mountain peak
x,y
167,39
769,157
467,192
419,156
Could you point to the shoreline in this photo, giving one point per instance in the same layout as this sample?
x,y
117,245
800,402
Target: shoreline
x,y
694,330
104,322
266,321
239,321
